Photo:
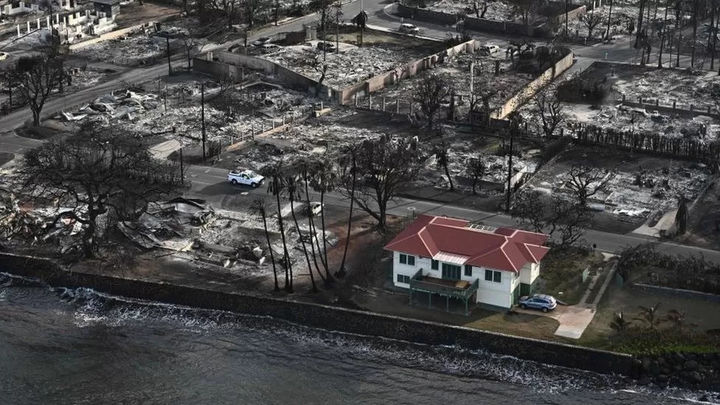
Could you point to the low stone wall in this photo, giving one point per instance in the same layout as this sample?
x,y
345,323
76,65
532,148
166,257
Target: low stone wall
x,y
572,14
379,82
529,91
676,292
327,317
472,23
218,64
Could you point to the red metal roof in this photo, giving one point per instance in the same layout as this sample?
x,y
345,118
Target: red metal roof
x,y
502,249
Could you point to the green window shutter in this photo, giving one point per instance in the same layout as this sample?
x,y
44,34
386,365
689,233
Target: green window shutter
x,y
411,260
434,264
497,277
488,275
468,270
403,259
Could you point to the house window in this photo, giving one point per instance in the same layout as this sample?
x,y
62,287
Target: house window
x,y
450,272
468,270
494,276
434,264
411,260
403,259
401,278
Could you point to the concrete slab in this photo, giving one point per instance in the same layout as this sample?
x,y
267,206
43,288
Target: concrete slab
x,y
664,224
164,149
573,321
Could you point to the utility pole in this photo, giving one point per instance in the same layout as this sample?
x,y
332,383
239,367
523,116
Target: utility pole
x,y
182,167
609,19
677,62
694,40
202,116
663,33
510,167
566,18
337,30
167,46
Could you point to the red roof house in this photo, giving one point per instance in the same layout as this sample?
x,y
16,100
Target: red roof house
x,y
435,248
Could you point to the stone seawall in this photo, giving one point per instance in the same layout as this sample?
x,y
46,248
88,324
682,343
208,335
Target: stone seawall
x,y
327,317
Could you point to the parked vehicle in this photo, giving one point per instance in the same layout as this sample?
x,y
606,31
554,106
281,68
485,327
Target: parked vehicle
x,y
261,41
326,46
315,208
406,28
489,49
542,302
245,177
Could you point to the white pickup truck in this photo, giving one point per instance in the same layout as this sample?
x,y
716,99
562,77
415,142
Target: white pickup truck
x,y
246,177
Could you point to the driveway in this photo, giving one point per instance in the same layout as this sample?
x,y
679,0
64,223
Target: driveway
x,y
573,319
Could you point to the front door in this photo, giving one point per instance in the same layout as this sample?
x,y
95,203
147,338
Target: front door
x,y
450,272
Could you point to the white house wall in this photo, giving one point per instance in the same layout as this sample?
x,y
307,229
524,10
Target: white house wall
x,y
529,273
497,294
489,292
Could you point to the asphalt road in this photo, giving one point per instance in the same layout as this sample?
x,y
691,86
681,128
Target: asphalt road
x,y
211,185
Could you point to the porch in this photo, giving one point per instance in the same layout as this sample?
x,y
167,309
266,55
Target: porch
x,y
457,289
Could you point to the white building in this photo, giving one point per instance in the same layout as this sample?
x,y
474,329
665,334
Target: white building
x,y
451,258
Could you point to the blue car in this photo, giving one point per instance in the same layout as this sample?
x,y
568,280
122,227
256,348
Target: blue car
x,y
542,302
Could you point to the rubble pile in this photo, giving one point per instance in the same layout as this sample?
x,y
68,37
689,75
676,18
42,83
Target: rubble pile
x,y
230,239
699,128
457,69
497,10
635,193
699,88
138,48
303,140
352,65
459,154
229,113
623,18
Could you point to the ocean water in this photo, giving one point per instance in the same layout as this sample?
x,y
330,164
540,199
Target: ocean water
x,y
61,346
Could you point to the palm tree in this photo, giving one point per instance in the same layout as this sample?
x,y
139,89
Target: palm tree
x,y
259,206
307,168
292,187
650,315
620,324
277,188
348,159
323,182
443,161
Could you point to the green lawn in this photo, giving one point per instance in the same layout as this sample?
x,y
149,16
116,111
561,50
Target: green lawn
x,y
561,273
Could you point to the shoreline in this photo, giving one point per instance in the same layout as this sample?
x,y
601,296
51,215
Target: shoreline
x,y
329,317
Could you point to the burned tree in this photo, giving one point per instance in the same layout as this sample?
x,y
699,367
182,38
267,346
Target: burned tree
x,y
586,181
550,111
36,78
383,166
681,217
591,21
276,187
293,186
323,180
480,7
98,173
431,94
229,8
259,206
475,169
442,159
527,10
565,221
348,179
